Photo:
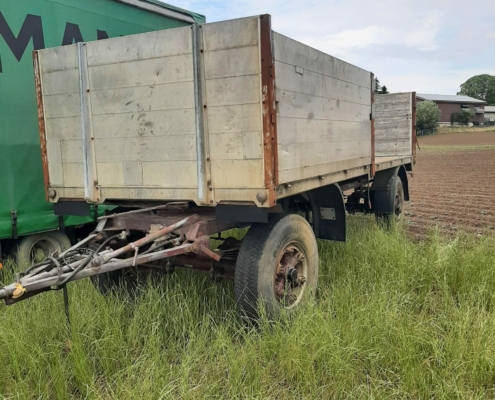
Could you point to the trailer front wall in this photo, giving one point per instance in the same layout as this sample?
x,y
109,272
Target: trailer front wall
x,y
36,24
142,115
323,112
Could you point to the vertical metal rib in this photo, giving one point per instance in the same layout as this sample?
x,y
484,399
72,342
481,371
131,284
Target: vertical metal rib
x,y
89,167
198,102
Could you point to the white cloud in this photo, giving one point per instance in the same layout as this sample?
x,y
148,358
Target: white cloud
x,y
424,38
426,45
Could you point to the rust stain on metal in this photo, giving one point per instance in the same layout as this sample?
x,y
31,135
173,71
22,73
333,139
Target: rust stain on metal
x,y
413,122
41,122
269,108
372,117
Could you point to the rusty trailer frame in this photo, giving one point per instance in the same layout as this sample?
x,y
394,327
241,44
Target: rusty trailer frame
x,y
173,230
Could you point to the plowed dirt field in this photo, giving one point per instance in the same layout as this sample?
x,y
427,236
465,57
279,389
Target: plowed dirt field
x,y
453,185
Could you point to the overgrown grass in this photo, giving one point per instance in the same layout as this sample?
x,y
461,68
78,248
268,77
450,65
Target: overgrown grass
x,y
393,319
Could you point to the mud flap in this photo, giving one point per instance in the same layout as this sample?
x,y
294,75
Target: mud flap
x,y
329,217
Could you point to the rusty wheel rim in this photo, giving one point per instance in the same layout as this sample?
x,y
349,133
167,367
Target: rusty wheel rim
x,y
291,275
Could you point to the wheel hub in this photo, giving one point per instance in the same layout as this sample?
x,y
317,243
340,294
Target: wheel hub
x,y
42,248
290,275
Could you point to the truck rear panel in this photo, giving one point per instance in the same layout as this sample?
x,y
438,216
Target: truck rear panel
x,y
395,129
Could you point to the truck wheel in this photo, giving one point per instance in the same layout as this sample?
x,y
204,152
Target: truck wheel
x,y
35,248
277,265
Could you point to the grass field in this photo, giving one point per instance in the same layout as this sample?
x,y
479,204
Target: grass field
x,y
393,319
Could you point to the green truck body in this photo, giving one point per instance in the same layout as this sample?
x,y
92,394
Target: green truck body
x,y
35,24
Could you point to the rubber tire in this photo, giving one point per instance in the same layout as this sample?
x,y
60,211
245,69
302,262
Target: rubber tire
x,y
387,219
59,240
256,263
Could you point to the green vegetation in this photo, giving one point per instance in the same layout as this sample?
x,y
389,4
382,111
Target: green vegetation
x,y
427,115
462,117
379,89
481,87
394,319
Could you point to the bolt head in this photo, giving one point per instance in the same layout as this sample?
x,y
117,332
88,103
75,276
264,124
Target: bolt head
x,y
52,193
261,197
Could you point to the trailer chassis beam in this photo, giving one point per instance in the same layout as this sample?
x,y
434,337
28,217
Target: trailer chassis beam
x,y
188,238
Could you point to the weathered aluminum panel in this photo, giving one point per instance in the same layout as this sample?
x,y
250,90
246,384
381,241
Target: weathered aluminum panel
x,y
394,124
173,115
224,112
232,109
323,112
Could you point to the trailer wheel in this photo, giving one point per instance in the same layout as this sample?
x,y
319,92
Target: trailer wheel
x,y
35,248
397,214
277,265
399,201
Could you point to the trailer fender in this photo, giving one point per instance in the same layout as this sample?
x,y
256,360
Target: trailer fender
x,y
383,190
329,216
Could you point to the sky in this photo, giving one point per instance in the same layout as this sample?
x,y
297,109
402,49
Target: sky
x,y
427,46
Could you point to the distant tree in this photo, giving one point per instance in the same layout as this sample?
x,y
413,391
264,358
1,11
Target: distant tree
x,y
481,87
427,115
462,117
378,87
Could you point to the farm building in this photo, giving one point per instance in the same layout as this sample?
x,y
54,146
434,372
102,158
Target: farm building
x,y
449,105
490,114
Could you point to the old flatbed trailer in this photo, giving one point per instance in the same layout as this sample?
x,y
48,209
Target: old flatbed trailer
x,y
196,130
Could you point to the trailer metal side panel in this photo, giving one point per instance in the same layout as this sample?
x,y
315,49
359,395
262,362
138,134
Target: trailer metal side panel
x,y
161,104
394,124
218,113
233,107
141,120
323,112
